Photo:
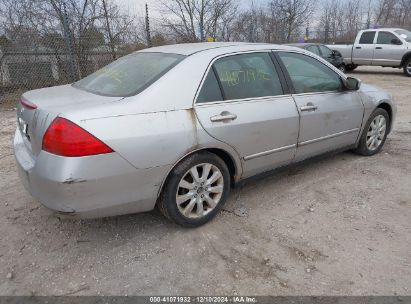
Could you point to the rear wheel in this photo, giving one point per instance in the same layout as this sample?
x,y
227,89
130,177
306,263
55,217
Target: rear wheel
x,y
375,133
407,67
195,190
351,67
342,68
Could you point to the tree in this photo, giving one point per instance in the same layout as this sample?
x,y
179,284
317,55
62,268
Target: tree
x,y
158,39
291,15
394,13
194,20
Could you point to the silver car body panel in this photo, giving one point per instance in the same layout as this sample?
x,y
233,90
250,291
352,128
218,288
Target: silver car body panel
x,y
254,133
154,130
336,122
51,103
97,186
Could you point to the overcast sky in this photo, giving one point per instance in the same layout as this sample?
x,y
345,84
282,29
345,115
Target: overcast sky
x,y
137,6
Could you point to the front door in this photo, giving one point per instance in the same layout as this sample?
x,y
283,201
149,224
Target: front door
x,y
242,103
330,117
389,50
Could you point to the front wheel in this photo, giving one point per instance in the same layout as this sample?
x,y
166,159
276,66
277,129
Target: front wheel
x,y
374,134
407,67
195,190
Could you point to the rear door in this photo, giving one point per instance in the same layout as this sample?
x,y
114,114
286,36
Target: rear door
x,y
363,49
243,102
331,117
388,50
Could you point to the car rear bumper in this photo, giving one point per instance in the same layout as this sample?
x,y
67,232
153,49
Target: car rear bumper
x,y
87,187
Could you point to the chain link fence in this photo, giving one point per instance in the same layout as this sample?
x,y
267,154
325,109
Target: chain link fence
x,y
22,70
30,59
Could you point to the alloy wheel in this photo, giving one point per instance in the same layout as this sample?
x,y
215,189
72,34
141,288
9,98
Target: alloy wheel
x,y
376,132
200,190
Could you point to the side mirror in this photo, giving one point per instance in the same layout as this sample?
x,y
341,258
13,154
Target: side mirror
x,y
352,84
396,41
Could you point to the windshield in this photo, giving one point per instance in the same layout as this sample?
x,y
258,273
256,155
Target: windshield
x,y
404,34
129,75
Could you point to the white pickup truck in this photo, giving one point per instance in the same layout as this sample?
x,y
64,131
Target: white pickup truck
x,y
387,47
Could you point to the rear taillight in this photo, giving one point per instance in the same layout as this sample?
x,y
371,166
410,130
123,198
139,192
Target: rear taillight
x,y
27,104
65,138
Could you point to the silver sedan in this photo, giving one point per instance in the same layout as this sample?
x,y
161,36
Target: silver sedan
x,y
177,126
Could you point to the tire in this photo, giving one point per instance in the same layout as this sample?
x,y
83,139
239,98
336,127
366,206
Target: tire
x,y
351,67
372,131
407,67
342,68
182,183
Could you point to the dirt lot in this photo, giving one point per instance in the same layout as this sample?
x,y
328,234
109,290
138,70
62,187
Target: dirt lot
x,y
338,226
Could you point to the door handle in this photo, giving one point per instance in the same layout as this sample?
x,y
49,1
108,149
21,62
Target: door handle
x,y
379,48
358,47
224,116
308,108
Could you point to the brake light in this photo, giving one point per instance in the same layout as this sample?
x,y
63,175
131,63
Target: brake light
x,y
28,104
65,138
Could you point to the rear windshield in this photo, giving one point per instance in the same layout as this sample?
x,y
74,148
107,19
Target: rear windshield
x,y
404,34
129,75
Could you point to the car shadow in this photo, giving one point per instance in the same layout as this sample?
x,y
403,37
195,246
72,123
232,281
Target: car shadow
x,y
153,224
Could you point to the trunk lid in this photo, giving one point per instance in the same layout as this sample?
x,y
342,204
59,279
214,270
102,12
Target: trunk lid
x,y
51,102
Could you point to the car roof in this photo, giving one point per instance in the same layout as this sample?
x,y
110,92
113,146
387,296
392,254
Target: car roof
x,y
303,44
384,29
192,48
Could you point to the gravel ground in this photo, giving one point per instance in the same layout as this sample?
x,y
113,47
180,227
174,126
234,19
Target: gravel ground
x,y
336,226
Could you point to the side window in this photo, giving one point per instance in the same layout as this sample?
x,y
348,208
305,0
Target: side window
x,y
211,90
385,37
313,49
327,53
367,38
309,75
248,76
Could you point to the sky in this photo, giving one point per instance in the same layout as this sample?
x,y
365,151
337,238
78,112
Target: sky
x,y
138,6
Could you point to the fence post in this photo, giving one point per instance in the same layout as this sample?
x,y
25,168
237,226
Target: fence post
x,y
69,44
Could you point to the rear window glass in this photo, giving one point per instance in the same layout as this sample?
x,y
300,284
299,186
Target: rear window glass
x,y
248,76
367,38
129,75
313,49
211,90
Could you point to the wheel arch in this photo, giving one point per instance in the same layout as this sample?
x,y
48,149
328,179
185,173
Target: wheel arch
x,y
234,167
387,107
405,58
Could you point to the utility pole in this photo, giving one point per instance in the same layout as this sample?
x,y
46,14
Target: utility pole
x,y
69,44
327,26
110,35
202,37
369,15
148,34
